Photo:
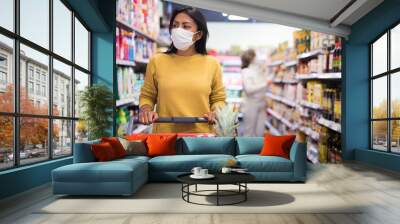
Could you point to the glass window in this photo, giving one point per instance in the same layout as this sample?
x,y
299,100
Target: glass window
x,y
395,95
81,45
62,72
379,97
81,82
379,56
395,47
395,138
379,135
6,142
62,29
30,87
40,62
62,137
7,14
35,21
34,142
7,75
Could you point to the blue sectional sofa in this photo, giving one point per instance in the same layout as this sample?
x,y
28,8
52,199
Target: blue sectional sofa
x,y
125,176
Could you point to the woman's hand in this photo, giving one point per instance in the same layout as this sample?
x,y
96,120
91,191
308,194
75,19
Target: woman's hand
x,y
147,116
210,117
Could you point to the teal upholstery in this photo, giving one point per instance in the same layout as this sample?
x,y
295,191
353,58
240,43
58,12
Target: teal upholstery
x,y
83,152
257,163
298,157
249,145
215,145
184,163
119,177
126,175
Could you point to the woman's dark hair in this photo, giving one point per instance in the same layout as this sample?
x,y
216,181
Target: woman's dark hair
x,y
201,23
247,57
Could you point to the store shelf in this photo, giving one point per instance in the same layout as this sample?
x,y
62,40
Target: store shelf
x,y
126,63
124,102
127,27
309,54
311,133
327,76
271,128
330,124
141,128
276,63
290,63
142,60
310,105
282,119
281,99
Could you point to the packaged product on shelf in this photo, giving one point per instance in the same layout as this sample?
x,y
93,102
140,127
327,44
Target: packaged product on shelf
x,y
302,41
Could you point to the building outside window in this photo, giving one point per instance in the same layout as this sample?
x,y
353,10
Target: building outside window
x,y
385,95
58,128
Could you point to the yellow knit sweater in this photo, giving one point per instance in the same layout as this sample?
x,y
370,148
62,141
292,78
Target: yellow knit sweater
x,y
183,86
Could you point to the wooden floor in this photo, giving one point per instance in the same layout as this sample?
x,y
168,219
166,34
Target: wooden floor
x,y
379,189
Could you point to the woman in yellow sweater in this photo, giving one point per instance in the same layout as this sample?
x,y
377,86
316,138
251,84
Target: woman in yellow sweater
x,y
184,81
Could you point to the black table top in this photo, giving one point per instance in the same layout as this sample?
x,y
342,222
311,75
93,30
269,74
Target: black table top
x,y
220,178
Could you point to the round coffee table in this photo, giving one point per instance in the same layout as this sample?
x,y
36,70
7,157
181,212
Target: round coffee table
x,y
238,179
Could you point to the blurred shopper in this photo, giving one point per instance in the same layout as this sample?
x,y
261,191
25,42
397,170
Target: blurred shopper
x,y
184,81
254,86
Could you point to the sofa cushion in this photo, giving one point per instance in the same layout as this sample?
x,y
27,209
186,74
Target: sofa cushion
x,y
116,145
83,152
277,145
161,144
136,147
249,145
112,171
103,152
217,145
257,163
185,163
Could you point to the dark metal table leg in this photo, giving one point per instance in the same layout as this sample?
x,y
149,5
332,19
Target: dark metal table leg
x,y
217,194
196,187
245,193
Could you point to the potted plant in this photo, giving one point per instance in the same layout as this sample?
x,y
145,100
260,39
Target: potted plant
x,y
96,103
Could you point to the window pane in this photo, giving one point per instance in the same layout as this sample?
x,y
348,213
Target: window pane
x,y
395,47
379,55
379,97
35,21
33,139
81,81
6,142
379,135
62,89
34,81
81,132
62,138
7,14
395,138
395,94
6,74
62,29
81,45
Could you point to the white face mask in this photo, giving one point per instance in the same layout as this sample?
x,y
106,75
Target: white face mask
x,y
182,38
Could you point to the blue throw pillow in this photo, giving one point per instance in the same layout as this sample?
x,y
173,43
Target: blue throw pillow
x,y
249,145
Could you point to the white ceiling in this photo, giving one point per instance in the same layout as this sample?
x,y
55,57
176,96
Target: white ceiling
x,y
307,14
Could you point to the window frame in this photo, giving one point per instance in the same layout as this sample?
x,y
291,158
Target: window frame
x,y
388,74
16,114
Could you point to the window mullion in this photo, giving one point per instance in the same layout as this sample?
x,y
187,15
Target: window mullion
x,y
389,104
73,81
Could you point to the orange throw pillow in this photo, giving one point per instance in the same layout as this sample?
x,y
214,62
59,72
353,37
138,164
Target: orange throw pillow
x,y
103,152
136,137
161,144
277,145
116,145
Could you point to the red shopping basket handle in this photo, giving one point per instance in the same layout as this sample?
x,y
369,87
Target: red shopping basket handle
x,y
181,120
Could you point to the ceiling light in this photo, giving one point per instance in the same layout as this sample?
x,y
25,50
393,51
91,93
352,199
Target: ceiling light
x,y
233,17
